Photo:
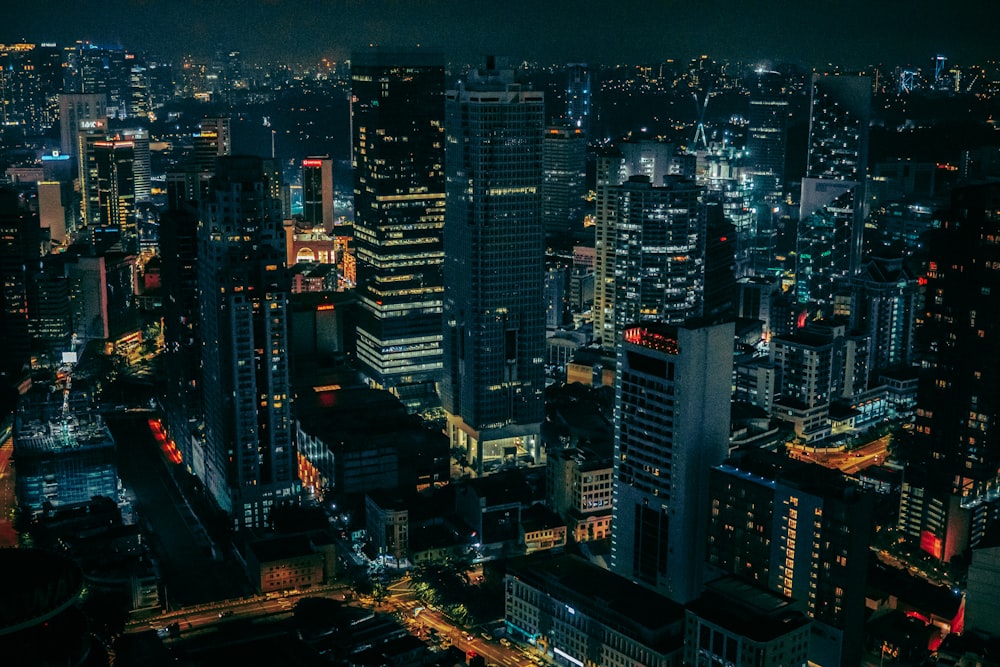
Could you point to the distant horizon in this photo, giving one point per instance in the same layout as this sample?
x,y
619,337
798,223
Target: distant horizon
x,y
852,34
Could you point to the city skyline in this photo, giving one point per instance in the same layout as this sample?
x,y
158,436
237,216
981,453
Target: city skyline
x,y
851,33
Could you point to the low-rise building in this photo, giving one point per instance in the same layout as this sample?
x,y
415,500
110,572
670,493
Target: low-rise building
x,y
288,562
581,615
736,623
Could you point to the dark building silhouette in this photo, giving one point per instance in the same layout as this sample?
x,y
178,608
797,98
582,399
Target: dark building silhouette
x,y
951,484
248,460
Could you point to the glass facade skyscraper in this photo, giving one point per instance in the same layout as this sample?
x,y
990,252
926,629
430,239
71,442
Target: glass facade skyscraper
x,y
493,383
399,195
832,205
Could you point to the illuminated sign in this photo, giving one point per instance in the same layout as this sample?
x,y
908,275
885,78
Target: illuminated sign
x,y
312,163
92,124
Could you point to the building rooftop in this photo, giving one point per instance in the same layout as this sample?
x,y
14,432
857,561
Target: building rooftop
x,y
744,609
599,593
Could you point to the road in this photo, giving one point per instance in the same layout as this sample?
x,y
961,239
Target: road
x,y
190,574
420,620
849,462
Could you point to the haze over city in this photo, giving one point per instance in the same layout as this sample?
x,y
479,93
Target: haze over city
x,y
852,33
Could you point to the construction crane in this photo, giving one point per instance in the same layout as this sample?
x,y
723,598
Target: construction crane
x,y
702,107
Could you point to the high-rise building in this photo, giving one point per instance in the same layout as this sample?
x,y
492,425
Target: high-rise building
x,y
564,166
672,396
832,205
801,530
885,303
31,78
19,244
578,97
659,251
951,484
816,366
106,70
494,316
213,140
397,116
317,192
766,136
248,460
115,184
79,111
649,158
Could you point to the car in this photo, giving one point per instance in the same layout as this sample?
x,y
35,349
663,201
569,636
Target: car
x,y
225,612
505,642
469,637
487,636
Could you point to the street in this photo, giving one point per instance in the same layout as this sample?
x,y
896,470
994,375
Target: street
x,y
848,462
190,574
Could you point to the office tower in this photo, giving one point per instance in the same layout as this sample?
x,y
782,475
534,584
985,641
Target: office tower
x,y
79,111
578,97
87,139
213,140
106,70
140,162
49,311
801,530
494,315
30,78
886,300
720,292
659,253
950,483
248,462
649,158
672,397
564,166
832,206
317,192
399,195
115,185
138,97
19,244
766,137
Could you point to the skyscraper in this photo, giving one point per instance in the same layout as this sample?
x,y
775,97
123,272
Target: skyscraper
x,y
578,97
886,299
494,316
951,484
801,530
659,253
79,111
399,195
649,158
672,395
317,192
115,184
248,461
19,244
832,205
564,165
766,136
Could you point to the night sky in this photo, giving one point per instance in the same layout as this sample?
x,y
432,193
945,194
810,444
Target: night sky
x,y
853,33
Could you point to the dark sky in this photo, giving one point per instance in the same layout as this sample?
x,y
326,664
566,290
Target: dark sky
x,y
849,32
